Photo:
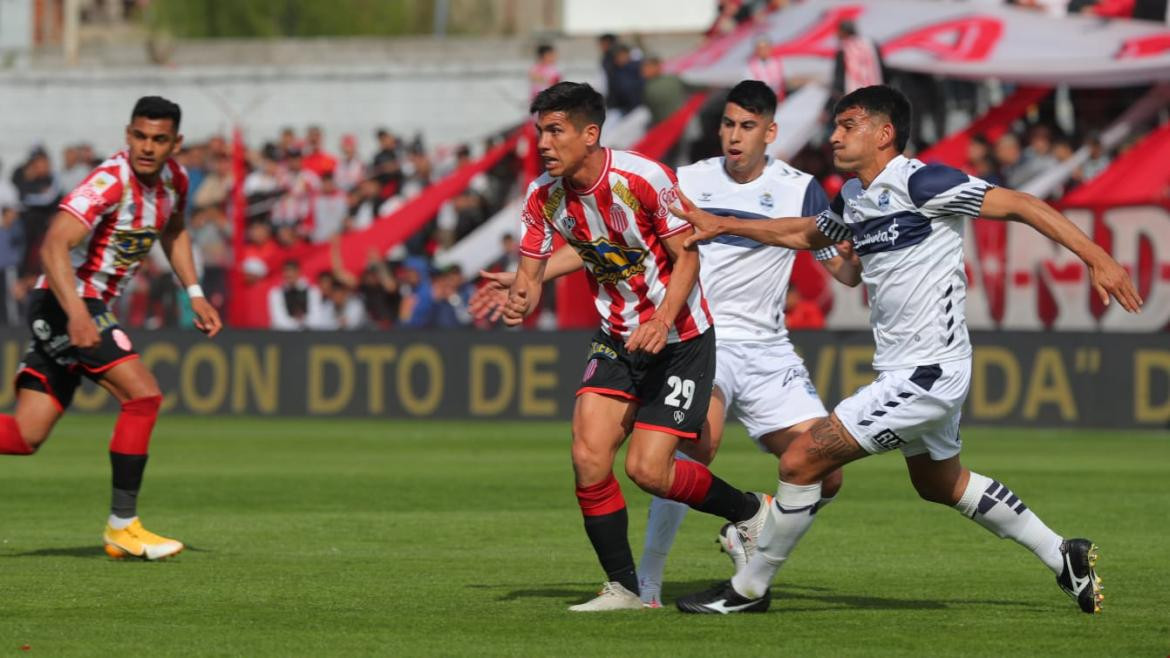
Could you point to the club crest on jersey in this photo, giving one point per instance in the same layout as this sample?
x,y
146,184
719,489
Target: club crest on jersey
x,y
567,222
766,201
617,220
679,416
884,200
132,246
611,262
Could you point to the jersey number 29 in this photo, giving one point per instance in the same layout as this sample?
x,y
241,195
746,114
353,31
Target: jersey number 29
x,y
680,387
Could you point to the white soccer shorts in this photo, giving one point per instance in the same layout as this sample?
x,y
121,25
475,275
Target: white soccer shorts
x,y
767,385
916,410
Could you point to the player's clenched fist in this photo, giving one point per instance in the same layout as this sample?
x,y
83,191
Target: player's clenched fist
x,y
206,317
516,309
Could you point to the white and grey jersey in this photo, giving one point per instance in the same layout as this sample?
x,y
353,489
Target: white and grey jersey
x,y
745,281
907,227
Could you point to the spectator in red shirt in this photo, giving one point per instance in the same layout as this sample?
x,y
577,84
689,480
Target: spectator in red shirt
x,y
316,159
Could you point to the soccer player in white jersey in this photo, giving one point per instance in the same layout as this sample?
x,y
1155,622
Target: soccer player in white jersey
x,y
104,229
756,369
906,222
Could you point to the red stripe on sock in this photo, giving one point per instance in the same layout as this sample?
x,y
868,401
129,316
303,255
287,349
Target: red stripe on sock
x,y
602,498
691,483
11,442
135,423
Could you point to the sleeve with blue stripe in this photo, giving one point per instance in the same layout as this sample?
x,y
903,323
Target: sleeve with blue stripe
x,y
942,191
831,223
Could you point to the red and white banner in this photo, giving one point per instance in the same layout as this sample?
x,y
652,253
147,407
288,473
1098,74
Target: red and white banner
x,y
947,38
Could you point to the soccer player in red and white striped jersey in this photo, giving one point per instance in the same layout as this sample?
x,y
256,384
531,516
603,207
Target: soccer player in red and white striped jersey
x,y
651,364
96,242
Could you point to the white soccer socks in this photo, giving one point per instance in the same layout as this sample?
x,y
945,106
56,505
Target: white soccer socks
x,y
789,517
994,506
665,518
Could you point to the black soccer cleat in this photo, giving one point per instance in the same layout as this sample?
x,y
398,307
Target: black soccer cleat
x,y
722,599
1078,578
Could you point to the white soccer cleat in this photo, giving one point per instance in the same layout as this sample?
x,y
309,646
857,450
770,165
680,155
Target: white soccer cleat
x,y
611,597
739,540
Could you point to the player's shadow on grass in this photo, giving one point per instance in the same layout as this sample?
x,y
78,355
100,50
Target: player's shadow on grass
x,y
90,551
787,597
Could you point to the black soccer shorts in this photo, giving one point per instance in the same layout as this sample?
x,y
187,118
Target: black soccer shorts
x,y
52,364
672,388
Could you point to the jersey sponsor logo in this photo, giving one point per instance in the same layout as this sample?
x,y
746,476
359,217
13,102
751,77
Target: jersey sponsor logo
x,y
529,219
611,262
667,197
896,231
617,220
766,201
888,234
80,203
41,329
132,246
101,181
888,439
704,196
554,200
601,350
622,192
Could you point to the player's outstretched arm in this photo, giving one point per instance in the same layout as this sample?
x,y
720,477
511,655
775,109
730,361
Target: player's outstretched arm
x,y
846,265
791,232
651,336
65,233
176,244
524,294
488,300
1108,277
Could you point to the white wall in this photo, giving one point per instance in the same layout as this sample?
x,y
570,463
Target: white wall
x,y
446,106
637,16
15,25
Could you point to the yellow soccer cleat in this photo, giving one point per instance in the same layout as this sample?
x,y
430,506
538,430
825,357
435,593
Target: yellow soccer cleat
x,y
136,541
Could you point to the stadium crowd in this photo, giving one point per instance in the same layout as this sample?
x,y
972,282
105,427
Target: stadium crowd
x,y
297,190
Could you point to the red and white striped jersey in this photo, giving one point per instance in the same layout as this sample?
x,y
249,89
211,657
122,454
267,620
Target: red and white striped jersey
x,y
125,217
617,226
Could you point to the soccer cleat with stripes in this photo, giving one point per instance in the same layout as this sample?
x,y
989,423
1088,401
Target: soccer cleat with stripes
x,y
722,599
136,541
739,540
611,597
1079,577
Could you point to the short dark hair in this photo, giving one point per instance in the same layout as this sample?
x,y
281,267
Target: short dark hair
x,y
884,100
157,107
543,49
755,97
580,102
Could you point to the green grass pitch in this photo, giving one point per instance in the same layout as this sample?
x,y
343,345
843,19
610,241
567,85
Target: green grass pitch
x,y
340,537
